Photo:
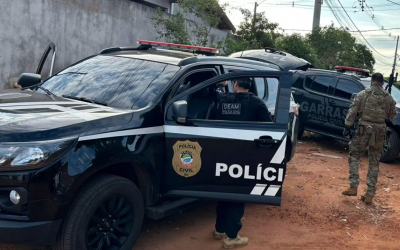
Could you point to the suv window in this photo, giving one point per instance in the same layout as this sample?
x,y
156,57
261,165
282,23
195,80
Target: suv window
x,y
345,88
116,81
321,84
309,81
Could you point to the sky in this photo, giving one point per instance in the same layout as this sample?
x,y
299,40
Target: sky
x,y
299,18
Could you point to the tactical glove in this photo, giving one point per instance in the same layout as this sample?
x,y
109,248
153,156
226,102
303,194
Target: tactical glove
x,y
347,132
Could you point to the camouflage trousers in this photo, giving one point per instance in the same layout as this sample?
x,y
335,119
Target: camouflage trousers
x,y
373,138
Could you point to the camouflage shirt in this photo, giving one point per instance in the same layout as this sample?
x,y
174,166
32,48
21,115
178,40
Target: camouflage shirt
x,y
357,107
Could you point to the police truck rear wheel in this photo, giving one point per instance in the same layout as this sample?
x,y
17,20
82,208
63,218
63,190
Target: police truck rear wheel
x,y
108,214
391,147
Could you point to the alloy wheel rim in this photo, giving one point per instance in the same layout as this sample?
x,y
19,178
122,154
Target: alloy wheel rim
x,y
110,225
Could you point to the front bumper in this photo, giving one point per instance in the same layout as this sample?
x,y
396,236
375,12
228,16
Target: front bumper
x,y
29,233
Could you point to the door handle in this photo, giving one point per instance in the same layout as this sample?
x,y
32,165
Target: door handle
x,y
332,102
266,141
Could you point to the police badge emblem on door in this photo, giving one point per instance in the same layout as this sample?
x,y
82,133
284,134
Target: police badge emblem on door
x,y
187,160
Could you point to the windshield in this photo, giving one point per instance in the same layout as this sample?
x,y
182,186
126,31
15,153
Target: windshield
x,y
114,81
395,90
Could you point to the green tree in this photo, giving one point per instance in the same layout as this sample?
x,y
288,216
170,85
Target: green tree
x,y
299,46
209,11
230,45
362,57
336,46
172,28
176,29
262,34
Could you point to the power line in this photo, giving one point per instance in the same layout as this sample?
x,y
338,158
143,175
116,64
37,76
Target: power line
x,y
348,25
293,4
310,7
374,30
341,19
361,32
349,30
374,19
393,2
383,40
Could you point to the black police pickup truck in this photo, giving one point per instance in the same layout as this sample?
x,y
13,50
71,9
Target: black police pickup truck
x,y
88,153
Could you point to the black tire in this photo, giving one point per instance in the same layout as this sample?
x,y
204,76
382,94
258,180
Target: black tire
x,y
100,211
391,147
300,131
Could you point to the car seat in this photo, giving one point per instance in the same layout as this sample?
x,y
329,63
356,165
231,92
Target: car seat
x,y
200,104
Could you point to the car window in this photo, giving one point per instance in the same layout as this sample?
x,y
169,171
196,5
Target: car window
x,y
395,90
203,104
116,81
260,82
321,84
273,88
345,88
192,79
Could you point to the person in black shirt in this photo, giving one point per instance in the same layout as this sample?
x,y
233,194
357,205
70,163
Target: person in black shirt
x,y
241,105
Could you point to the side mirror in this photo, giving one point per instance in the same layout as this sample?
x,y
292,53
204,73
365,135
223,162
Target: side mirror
x,y
353,96
179,111
27,80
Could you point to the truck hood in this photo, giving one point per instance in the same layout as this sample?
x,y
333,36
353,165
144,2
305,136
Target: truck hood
x,y
32,116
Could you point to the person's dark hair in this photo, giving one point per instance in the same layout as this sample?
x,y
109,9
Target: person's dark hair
x,y
378,78
244,82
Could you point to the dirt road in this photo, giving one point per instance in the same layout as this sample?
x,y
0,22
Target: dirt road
x,y
313,215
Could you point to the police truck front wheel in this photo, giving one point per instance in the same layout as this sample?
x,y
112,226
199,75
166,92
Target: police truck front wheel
x,y
108,214
391,146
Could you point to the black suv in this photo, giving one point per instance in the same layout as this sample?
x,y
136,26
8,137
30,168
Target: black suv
x,y
85,155
325,97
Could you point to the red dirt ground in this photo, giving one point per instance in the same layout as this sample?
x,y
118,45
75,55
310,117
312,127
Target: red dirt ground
x,y
313,215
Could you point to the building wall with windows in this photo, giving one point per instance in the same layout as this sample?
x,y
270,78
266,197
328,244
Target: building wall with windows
x,y
79,28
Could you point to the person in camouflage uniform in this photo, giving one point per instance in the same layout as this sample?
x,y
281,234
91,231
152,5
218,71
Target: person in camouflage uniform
x,y
370,107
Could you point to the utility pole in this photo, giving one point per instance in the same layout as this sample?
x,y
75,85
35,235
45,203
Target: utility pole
x,y
395,56
317,13
254,17
391,79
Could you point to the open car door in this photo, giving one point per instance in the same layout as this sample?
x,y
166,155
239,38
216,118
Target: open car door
x,y
50,48
225,160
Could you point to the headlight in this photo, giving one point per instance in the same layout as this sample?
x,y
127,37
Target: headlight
x,y
32,155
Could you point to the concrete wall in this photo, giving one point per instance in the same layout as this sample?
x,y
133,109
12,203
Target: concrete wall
x,y
79,28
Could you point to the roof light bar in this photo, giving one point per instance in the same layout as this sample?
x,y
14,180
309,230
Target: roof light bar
x,y
352,69
179,46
